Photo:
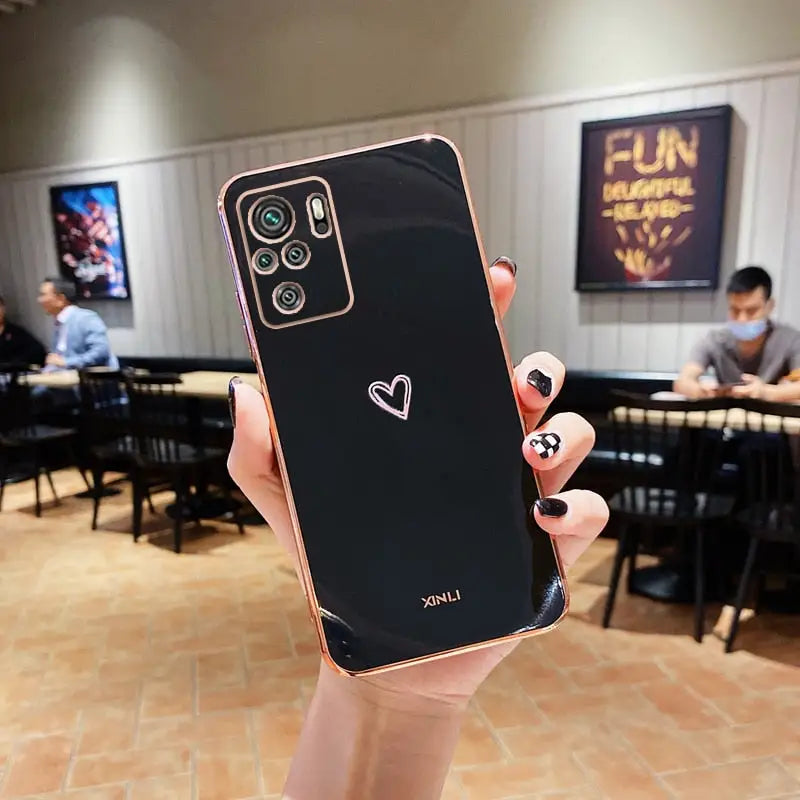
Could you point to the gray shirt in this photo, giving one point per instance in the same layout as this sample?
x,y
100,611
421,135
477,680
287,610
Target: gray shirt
x,y
777,358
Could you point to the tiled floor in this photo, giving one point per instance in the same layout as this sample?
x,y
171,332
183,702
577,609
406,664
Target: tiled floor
x,y
130,673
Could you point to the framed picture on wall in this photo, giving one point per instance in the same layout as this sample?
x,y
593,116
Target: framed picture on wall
x,y
652,201
89,239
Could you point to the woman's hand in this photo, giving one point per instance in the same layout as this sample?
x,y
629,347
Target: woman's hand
x,y
573,518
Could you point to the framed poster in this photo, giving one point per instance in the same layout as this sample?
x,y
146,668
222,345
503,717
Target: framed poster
x,y
89,239
652,201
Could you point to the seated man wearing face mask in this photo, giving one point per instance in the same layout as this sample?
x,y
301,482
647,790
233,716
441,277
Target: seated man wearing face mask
x,y
752,353
750,357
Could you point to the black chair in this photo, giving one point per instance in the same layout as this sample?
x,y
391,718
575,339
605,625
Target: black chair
x,y
167,450
106,434
771,513
669,454
23,438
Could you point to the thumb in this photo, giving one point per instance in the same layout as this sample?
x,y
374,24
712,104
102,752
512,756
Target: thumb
x,y
503,279
252,454
252,463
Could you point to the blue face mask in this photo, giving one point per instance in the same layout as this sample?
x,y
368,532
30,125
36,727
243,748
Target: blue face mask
x,y
747,331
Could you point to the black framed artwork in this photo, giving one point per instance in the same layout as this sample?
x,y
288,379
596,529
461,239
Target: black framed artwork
x,y
652,201
90,241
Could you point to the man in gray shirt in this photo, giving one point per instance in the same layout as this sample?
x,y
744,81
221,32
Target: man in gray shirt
x,y
751,354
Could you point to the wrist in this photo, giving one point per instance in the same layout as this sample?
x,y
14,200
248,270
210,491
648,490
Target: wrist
x,y
362,740
380,692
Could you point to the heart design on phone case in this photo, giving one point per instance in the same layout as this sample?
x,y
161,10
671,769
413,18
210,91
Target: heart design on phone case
x,y
388,398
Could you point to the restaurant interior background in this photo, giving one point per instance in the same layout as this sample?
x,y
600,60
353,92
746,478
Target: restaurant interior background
x,y
128,672
170,99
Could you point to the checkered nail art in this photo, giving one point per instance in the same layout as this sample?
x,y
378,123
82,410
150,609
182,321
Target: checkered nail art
x,y
545,444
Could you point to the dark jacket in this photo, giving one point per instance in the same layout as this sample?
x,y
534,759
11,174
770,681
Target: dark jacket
x,y
17,346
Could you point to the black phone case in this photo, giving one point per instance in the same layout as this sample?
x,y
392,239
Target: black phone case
x,y
415,530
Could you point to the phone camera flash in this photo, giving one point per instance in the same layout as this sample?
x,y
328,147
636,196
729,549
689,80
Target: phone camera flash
x,y
318,208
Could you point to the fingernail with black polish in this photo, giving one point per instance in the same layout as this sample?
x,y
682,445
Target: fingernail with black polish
x,y
545,444
551,507
541,382
505,261
232,384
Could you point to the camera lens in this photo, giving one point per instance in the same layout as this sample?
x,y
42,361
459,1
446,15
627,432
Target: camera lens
x,y
271,218
296,255
265,261
288,297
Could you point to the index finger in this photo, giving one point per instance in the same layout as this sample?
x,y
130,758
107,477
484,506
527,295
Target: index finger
x,y
538,379
504,282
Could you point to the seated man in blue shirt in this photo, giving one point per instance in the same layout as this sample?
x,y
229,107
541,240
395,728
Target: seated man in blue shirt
x,y
80,338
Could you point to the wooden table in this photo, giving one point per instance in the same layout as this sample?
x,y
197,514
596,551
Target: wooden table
x,y
58,379
201,383
211,384
735,418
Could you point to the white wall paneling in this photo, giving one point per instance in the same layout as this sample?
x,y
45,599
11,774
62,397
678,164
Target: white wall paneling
x,y
475,149
777,160
234,339
522,162
790,289
498,227
555,300
522,322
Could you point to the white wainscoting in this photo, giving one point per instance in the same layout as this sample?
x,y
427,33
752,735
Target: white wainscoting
x,y
522,161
